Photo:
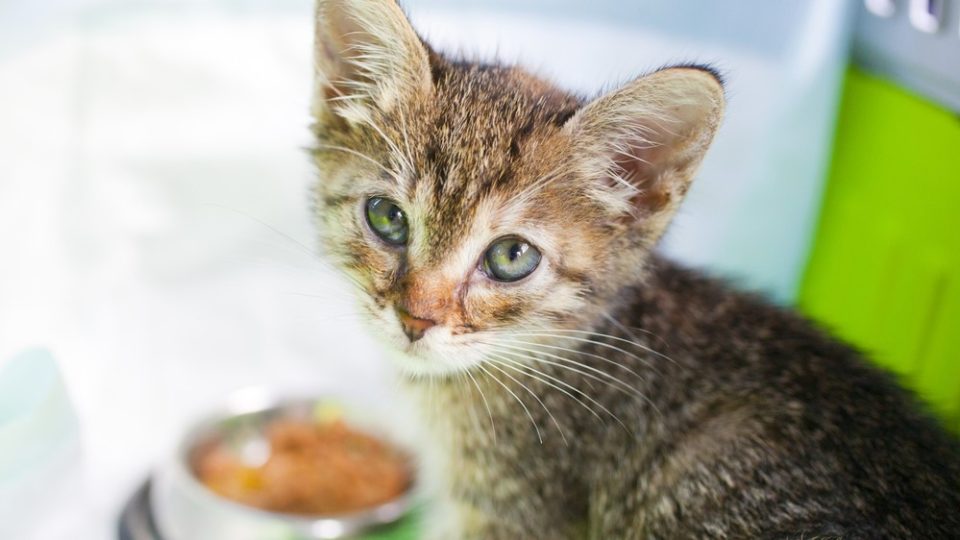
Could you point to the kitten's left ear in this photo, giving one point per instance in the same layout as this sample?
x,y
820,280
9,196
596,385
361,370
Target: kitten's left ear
x,y
367,55
644,142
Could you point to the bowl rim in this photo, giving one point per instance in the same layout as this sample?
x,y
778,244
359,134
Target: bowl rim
x,y
259,400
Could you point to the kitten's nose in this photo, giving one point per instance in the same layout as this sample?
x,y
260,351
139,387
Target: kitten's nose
x,y
413,327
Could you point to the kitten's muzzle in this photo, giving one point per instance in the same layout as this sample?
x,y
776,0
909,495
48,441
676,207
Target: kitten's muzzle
x,y
413,327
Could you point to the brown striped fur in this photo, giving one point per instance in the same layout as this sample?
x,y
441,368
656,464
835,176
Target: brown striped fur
x,y
611,393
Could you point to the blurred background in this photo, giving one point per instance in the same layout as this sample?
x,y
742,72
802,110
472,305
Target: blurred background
x,y
156,249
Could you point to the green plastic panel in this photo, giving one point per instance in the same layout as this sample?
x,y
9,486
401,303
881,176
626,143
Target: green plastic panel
x,y
885,267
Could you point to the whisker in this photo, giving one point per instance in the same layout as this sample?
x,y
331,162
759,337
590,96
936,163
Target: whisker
x,y
539,183
616,338
493,426
520,401
294,270
629,331
536,374
273,229
471,411
335,295
346,97
405,160
393,174
406,139
536,397
275,264
584,353
565,335
312,256
610,380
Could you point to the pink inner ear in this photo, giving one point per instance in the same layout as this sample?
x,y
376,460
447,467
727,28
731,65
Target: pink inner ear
x,y
330,90
337,37
368,51
653,133
653,197
641,166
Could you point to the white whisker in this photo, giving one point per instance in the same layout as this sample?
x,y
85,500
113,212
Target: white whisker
x,y
565,335
404,159
537,374
561,362
516,397
629,331
406,139
536,397
584,353
393,174
591,371
301,247
493,426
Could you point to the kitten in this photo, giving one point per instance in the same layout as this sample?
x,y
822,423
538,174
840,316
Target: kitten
x,y
577,385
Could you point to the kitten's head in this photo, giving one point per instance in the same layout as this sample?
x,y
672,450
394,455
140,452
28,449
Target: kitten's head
x,y
475,204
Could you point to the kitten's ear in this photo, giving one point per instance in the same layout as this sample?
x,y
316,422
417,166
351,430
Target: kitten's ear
x,y
366,55
645,141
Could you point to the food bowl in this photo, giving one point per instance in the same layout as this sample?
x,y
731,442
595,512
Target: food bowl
x,y
186,509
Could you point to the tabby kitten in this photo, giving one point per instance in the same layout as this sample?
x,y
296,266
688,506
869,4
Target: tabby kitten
x,y
575,384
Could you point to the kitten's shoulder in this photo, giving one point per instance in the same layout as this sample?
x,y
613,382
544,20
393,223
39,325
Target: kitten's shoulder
x,y
728,330
691,302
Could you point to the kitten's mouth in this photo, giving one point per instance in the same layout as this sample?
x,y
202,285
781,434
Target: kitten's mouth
x,y
423,347
434,355
415,349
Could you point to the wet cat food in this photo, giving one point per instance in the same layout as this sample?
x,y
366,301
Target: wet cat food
x,y
312,469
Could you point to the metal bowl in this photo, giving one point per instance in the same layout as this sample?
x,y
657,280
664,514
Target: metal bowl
x,y
186,510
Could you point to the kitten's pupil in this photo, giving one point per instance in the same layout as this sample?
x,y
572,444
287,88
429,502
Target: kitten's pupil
x,y
516,250
395,214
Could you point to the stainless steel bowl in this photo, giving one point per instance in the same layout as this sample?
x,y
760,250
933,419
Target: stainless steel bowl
x,y
186,510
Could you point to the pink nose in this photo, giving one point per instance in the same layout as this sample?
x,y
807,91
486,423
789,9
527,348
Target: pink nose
x,y
413,327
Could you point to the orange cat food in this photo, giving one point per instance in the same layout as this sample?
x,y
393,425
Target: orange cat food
x,y
312,469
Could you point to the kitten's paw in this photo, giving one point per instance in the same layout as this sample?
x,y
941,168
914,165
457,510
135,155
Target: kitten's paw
x,y
442,522
444,530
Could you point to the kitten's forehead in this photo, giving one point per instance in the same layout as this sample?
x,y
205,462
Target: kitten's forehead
x,y
484,145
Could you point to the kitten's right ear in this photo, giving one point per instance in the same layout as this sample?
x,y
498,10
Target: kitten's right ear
x,y
366,55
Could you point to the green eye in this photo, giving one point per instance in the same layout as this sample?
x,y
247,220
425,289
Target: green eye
x,y
387,220
510,259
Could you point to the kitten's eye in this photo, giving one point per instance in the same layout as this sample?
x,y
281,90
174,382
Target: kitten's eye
x,y
510,259
387,220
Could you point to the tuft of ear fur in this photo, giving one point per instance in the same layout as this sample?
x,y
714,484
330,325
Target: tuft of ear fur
x,y
644,142
366,55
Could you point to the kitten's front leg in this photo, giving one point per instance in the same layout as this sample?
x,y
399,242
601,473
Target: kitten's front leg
x,y
449,520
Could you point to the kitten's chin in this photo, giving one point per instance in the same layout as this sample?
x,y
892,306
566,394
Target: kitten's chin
x,y
417,365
